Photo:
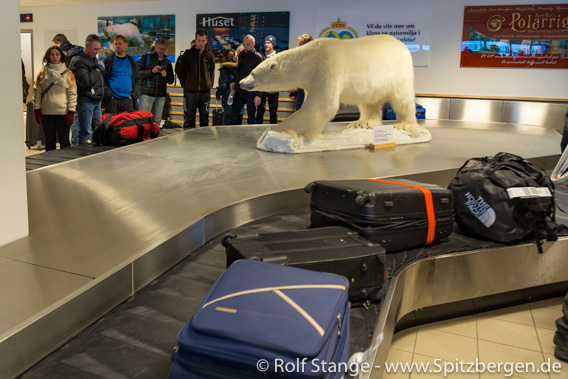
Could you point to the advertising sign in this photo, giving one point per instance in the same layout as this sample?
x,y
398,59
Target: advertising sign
x,y
140,31
515,36
226,30
411,26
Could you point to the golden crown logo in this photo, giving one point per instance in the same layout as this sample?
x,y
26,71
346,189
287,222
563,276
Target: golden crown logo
x,y
338,29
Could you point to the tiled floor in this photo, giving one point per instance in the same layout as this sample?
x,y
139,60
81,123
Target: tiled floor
x,y
517,334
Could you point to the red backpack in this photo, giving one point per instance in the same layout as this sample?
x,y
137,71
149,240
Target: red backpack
x,y
125,128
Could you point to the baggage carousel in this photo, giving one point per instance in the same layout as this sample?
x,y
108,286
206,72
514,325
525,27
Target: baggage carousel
x,y
104,226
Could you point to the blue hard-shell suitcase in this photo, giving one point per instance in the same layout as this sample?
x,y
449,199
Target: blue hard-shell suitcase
x,y
264,320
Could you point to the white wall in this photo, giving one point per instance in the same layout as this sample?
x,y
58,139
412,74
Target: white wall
x,y
442,76
13,195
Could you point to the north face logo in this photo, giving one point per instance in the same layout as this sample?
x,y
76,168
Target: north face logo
x,y
480,209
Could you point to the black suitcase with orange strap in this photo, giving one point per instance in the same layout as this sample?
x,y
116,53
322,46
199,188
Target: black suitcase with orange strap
x,y
397,214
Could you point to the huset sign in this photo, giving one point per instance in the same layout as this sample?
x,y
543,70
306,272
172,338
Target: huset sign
x,y
208,21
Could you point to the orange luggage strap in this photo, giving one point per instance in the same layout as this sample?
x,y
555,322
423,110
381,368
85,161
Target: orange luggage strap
x,y
429,207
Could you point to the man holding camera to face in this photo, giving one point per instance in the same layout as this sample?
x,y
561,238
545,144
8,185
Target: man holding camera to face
x,y
156,72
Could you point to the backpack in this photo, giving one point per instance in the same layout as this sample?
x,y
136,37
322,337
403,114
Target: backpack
x,y
390,114
126,128
504,198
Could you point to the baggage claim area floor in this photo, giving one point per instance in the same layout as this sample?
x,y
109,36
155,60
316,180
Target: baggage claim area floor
x,y
103,228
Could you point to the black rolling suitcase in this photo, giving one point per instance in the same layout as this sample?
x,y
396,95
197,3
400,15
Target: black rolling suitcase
x,y
35,137
335,250
218,114
398,215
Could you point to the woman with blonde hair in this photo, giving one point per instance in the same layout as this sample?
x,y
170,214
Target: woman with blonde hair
x,y
55,98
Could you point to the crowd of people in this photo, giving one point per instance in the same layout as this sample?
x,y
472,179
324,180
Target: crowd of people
x,y
73,87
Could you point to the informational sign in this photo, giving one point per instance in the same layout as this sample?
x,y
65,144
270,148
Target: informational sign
x,y
515,36
383,134
227,30
411,26
140,31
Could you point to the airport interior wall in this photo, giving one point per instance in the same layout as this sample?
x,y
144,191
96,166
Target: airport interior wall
x,y
442,76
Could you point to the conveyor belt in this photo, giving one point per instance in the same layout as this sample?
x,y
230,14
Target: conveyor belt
x,y
52,157
136,338
104,226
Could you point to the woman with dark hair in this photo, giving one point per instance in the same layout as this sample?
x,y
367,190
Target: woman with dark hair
x,y
55,98
226,75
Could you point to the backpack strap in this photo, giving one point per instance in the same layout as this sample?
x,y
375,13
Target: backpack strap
x,y
51,84
147,64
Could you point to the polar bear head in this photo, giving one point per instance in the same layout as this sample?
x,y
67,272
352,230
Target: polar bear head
x,y
286,70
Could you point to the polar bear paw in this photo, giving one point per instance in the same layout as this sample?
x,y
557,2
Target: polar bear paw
x,y
364,124
414,129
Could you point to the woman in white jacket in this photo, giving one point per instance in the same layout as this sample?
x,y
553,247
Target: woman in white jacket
x,y
55,98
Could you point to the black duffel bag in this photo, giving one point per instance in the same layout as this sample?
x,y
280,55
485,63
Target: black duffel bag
x,y
504,198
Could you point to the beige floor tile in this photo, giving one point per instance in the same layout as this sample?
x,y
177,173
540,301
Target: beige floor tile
x,y
508,333
545,317
554,303
445,345
546,337
563,374
397,356
490,352
405,340
463,326
438,367
520,314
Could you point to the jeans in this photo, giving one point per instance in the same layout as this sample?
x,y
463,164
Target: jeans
x,y
564,141
87,117
194,101
272,107
53,127
300,97
562,322
239,100
154,105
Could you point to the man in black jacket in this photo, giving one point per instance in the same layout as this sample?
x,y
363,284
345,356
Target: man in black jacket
x,y
196,73
561,335
61,41
89,76
156,72
122,80
272,97
249,58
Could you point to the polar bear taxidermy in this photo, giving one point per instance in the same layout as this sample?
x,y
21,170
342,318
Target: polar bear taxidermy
x,y
366,71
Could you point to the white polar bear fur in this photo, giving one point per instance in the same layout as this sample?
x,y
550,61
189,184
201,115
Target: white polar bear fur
x,y
129,30
366,71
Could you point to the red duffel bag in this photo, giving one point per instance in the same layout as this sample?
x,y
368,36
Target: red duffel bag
x,y
125,128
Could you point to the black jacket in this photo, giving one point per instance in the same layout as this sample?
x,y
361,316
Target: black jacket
x,y
196,71
136,82
248,60
154,84
89,75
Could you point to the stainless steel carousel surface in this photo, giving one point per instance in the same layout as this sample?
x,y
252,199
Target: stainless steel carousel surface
x,y
104,226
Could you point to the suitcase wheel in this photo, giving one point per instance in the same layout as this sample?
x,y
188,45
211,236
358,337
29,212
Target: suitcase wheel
x,y
225,240
362,198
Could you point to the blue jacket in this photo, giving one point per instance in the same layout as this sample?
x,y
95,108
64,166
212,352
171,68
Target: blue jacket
x,y
226,74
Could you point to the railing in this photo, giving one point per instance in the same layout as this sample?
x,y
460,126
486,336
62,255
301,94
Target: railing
x,y
545,112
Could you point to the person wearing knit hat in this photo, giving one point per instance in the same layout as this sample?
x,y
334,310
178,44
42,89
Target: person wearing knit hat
x,y
272,97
